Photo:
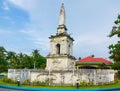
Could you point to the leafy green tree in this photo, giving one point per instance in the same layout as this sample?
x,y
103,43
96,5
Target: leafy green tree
x,y
35,55
116,66
39,61
115,52
28,62
11,57
116,28
3,61
115,48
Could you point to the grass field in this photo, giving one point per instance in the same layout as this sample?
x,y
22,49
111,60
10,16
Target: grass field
x,y
116,85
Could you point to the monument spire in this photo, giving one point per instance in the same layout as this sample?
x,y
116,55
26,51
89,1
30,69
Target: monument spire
x,y
62,28
62,15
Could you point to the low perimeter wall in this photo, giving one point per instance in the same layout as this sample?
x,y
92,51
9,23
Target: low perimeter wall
x,y
68,77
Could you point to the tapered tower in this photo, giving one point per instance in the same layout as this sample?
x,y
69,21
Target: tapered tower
x,y
61,47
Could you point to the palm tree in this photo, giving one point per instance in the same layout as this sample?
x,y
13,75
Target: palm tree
x,y
28,63
11,56
20,60
35,55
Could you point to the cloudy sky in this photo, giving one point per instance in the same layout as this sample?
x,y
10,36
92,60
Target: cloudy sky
x,y
26,25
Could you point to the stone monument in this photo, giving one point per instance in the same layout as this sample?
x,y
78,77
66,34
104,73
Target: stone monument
x,y
61,47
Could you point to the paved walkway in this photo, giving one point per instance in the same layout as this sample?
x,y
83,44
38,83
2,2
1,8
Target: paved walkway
x,y
12,88
4,89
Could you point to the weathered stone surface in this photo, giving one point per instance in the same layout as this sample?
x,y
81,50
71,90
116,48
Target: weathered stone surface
x,y
67,77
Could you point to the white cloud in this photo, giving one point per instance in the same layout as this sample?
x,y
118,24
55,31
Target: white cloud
x,y
38,38
89,44
28,5
24,4
90,39
5,6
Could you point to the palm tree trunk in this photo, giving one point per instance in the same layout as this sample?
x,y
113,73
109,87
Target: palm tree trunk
x,y
34,65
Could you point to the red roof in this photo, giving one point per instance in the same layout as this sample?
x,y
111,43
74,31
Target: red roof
x,y
92,59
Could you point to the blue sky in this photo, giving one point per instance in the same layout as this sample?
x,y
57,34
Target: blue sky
x,y
26,25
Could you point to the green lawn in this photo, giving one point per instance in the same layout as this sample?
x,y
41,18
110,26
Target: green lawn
x,y
116,85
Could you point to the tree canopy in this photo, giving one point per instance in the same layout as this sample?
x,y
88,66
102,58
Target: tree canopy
x,y
3,61
115,48
115,52
10,59
116,28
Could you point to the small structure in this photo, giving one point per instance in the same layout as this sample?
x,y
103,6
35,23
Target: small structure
x,y
93,63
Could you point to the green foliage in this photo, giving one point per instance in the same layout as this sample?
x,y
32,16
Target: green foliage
x,y
100,83
39,83
26,82
116,28
91,83
38,60
116,66
10,59
115,52
3,61
8,80
83,83
36,83
115,48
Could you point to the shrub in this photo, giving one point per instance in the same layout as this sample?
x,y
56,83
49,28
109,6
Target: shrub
x,y
39,83
83,83
8,80
91,83
100,83
26,82
116,80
